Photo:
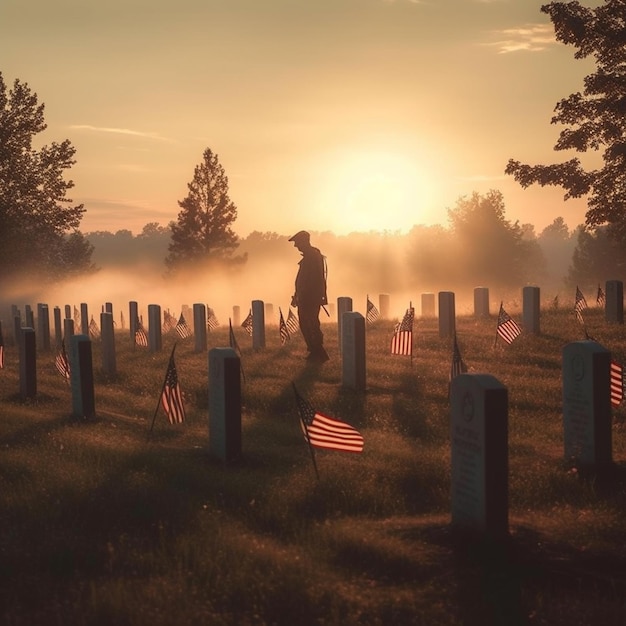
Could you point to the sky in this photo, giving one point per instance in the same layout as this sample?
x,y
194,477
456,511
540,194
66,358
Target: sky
x,y
327,115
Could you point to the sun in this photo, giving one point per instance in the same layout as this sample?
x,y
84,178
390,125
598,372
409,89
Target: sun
x,y
377,190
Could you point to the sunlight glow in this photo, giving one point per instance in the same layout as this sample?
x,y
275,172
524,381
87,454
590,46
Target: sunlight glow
x,y
376,190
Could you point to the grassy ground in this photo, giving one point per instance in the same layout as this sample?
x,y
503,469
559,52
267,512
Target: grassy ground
x,y
100,525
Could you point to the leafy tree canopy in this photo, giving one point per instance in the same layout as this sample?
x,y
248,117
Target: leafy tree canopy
x,y
203,232
594,120
38,224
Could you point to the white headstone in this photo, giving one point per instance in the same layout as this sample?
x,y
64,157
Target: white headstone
x,y
353,351
447,314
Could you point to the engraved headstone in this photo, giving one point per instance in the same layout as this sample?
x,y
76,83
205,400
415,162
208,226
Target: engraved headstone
x,y
258,324
224,404
81,378
353,372
587,403
447,314
531,309
479,438
481,302
614,301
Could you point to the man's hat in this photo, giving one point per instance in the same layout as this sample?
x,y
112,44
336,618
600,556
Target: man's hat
x,y
301,235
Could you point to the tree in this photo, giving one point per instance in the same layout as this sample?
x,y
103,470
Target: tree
x,y
203,231
35,214
486,247
594,119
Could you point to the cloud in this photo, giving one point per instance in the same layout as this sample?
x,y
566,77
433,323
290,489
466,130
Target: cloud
x,y
529,38
482,178
119,131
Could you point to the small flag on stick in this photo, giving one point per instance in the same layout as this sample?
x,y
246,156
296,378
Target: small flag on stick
x,y
62,363
402,340
617,383
247,323
282,328
171,398
212,322
507,327
372,313
600,298
94,331
141,336
580,305
169,321
182,328
458,365
292,322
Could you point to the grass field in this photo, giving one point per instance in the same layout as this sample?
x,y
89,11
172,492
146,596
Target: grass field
x,y
101,525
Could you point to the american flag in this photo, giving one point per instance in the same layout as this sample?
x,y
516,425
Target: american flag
x,y
600,298
171,398
169,322
402,340
617,383
292,322
507,328
326,432
458,364
1,348
141,336
282,328
62,363
580,305
182,328
76,317
372,312
211,321
247,323
94,331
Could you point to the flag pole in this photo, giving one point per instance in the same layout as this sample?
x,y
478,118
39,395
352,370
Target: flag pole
x,y
306,433
412,323
162,390
231,337
495,342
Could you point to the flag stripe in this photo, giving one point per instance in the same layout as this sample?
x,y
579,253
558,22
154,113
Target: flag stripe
x,y
329,433
171,398
617,384
507,328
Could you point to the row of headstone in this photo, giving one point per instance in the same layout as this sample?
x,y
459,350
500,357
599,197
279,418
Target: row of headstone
x,y
479,435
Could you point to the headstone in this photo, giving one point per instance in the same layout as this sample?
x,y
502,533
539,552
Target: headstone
x,y
81,378
68,329
17,329
530,309
68,312
155,340
43,328
236,315
30,317
614,301
447,314
109,365
199,323
479,438
586,371
353,373
428,305
188,315
269,313
108,307
133,317
58,326
28,363
481,302
344,304
84,319
224,404
383,308
258,324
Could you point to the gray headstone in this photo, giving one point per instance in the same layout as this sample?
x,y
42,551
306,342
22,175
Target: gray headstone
x,y
30,317
531,309
428,305
200,325
614,301
68,312
81,378
108,307
84,318
68,329
269,313
43,328
236,315
155,339
344,304
107,329
383,308
133,317
224,404
17,329
258,324
28,363
479,437
481,302
587,403
353,374
58,326
447,314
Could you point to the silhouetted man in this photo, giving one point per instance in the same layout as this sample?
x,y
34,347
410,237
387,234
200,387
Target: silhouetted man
x,y
310,295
